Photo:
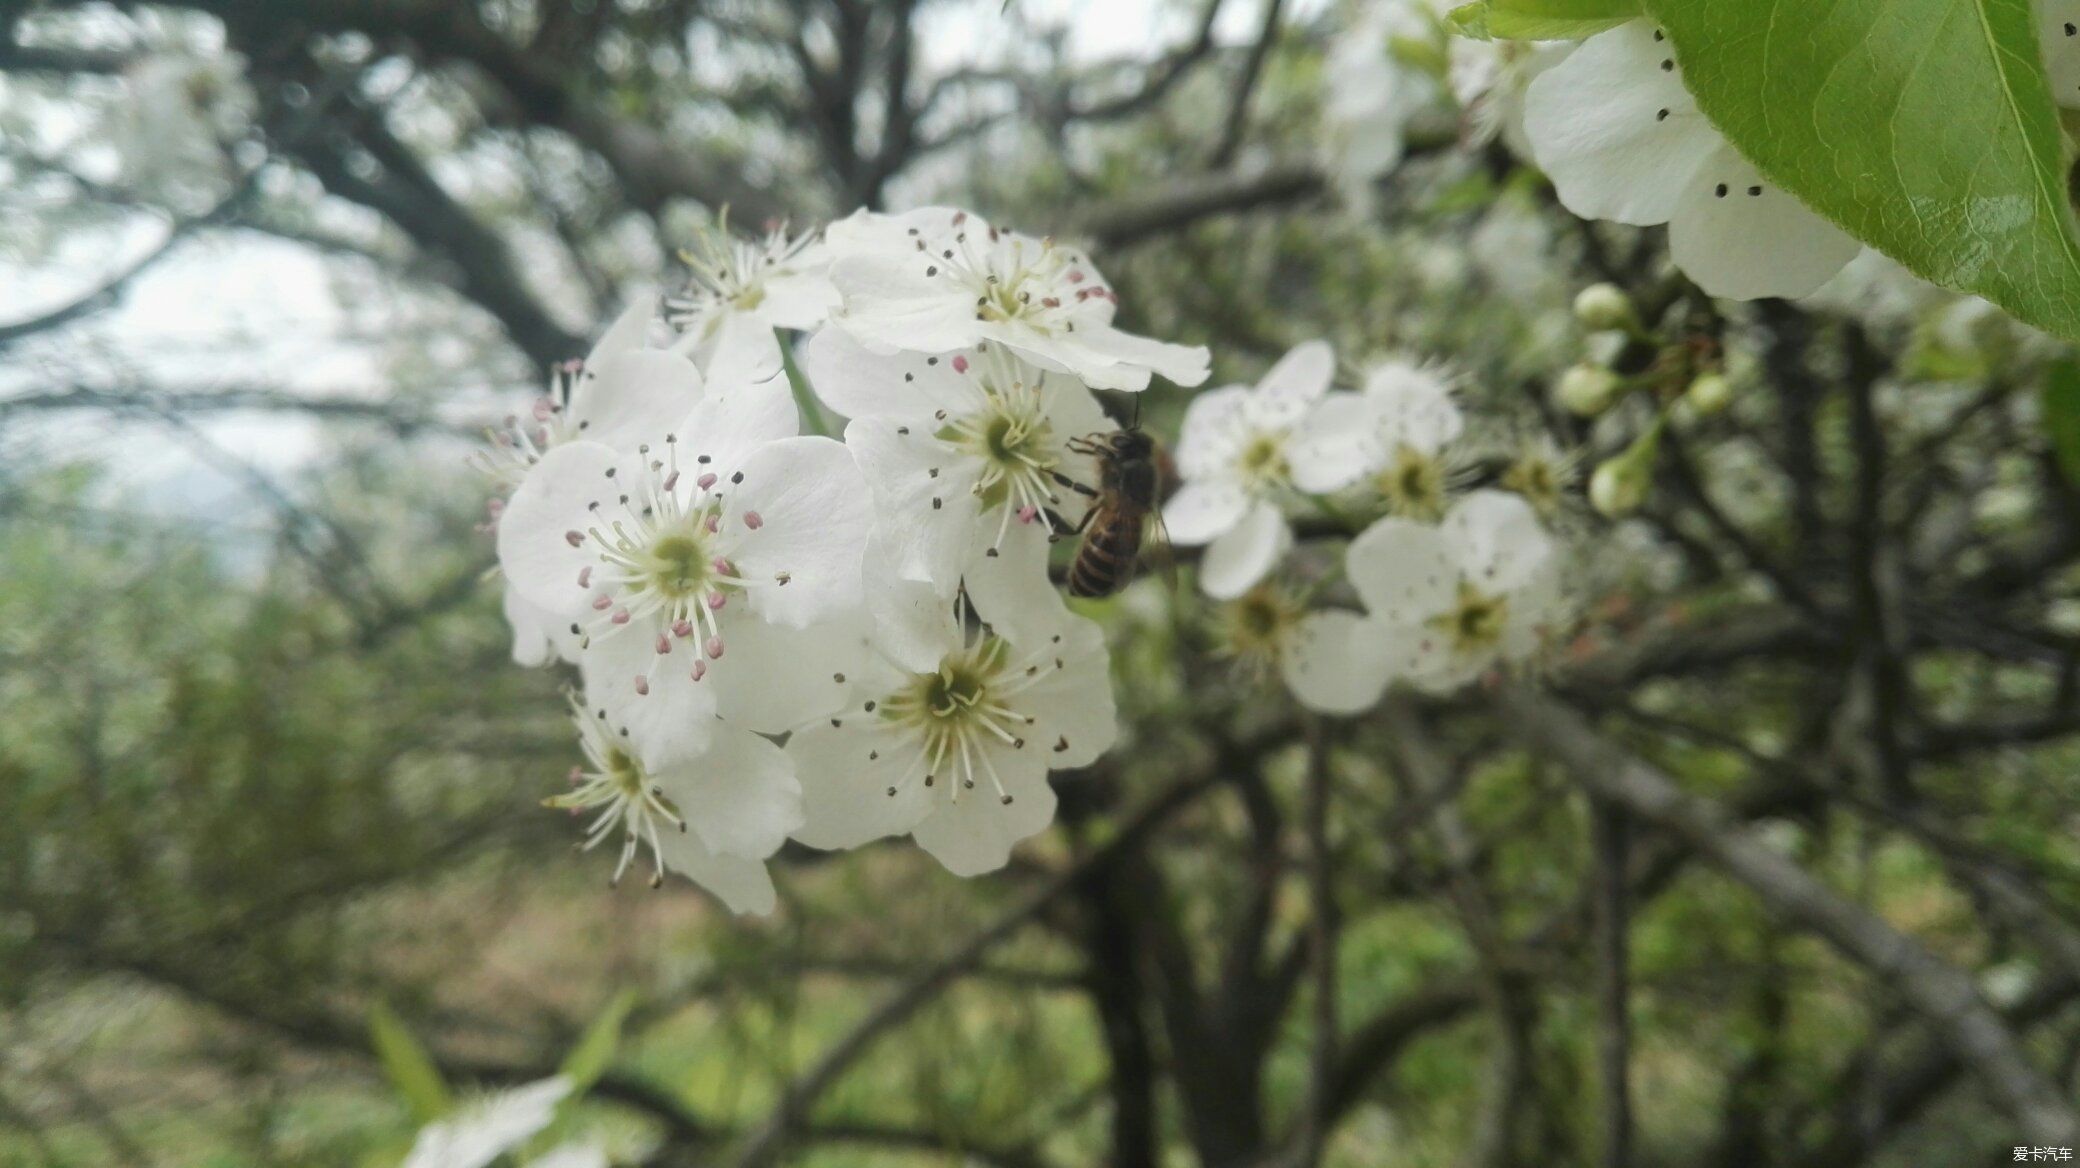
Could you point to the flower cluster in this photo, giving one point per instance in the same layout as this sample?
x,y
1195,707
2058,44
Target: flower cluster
x,y
780,634
1449,584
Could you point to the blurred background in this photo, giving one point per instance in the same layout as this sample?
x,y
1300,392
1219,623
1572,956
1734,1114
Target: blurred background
x,y
267,269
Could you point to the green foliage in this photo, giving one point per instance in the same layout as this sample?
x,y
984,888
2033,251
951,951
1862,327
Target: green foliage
x,y
1925,128
410,1068
1541,19
2062,414
595,1051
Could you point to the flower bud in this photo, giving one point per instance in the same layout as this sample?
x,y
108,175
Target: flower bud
x,y
1621,483
1708,394
1617,489
1587,390
1603,306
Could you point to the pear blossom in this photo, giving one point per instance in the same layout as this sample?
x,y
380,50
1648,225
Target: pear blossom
x,y
704,572
1488,79
1622,139
970,455
1399,434
713,817
1327,658
483,1130
1379,79
739,290
952,731
611,396
1544,475
181,114
1456,599
938,280
1242,449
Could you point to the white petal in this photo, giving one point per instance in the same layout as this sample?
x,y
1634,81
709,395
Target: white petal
x,y
667,719
903,300
743,352
1300,377
1336,662
1414,406
1333,447
633,397
2059,22
800,299
1011,589
904,387
730,423
538,634
1500,540
913,624
1107,358
976,834
1420,658
1216,423
802,564
482,1131
630,330
1596,123
739,796
744,885
1072,704
771,678
534,548
1245,553
1404,572
927,520
846,774
1740,236
1200,512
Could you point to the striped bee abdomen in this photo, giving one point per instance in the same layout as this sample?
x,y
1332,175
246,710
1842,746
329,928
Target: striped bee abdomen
x,y
1105,560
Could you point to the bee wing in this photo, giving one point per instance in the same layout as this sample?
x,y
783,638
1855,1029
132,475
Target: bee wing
x,y
1156,548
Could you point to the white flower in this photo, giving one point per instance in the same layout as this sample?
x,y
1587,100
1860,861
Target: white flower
x,y
485,1129
179,116
952,732
614,396
966,452
1244,448
2058,22
936,280
778,281
1328,659
1455,600
1488,79
1377,82
711,572
712,818
1398,433
1542,474
1623,140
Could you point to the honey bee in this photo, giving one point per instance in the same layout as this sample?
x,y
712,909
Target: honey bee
x,y
1124,505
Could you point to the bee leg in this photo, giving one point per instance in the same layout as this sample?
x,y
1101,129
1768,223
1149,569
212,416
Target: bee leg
x,y
1059,527
1086,491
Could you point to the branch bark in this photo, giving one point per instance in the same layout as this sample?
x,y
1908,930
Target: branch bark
x,y
1937,990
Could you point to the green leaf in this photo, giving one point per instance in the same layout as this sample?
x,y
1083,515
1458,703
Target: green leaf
x,y
1540,19
594,1053
410,1068
2062,415
1925,128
